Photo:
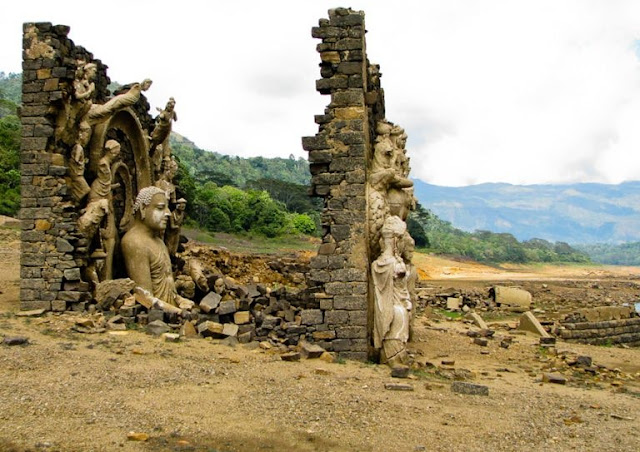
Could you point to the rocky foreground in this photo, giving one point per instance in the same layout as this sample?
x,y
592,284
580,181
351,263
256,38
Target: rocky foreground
x,y
469,390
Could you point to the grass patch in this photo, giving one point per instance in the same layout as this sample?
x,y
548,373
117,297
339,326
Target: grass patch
x,y
252,243
449,314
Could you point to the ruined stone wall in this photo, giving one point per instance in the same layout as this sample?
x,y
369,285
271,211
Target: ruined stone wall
x,y
50,274
338,156
623,331
55,254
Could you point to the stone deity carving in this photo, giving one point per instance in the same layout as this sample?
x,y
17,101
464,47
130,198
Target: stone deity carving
x,y
145,253
388,182
392,302
165,181
78,184
101,112
100,206
160,150
172,236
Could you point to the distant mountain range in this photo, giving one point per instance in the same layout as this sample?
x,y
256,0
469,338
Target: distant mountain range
x,y
575,213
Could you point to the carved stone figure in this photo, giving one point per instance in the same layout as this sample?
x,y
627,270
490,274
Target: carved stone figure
x,y
71,126
99,208
172,236
101,112
392,303
160,150
78,184
145,253
165,181
387,181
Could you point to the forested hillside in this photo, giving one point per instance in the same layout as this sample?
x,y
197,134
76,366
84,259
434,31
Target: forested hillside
x,y
575,213
238,171
232,194
441,237
10,89
606,253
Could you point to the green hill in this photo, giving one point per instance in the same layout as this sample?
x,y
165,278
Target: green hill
x,y
440,237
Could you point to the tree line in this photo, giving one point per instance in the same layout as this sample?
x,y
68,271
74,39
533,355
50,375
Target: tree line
x,y
439,236
267,196
10,131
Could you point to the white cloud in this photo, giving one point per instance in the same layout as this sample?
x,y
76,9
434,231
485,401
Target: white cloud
x,y
512,91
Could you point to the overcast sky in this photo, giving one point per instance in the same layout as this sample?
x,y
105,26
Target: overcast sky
x,y
542,91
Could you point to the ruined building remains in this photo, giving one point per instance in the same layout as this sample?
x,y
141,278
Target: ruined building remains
x,y
363,273
101,215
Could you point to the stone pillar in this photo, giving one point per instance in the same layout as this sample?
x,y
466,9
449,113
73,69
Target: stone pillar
x,y
338,156
49,269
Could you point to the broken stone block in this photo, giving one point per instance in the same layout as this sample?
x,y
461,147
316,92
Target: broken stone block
x,y
230,329
241,317
210,329
15,340
398,387
453,303
210,302
226,307
311,351
155,314
584,361
291,356
86,323
547,341
513,298
31,313
128,311
244,338
143,297
528,322
481,341
188,330
311,317
157,327
171,337
270,322
477,320
462,387
555,378
107,292
400,371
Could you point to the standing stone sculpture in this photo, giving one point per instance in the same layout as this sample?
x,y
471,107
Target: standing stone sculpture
x,y
77,182
172,236
387,182
392,302
160,151
145,253
100,206
165,181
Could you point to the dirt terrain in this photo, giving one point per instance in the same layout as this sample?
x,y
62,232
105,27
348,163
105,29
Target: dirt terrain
x,y
80,392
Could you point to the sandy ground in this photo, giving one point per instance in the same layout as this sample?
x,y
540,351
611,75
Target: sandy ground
x,y
76,392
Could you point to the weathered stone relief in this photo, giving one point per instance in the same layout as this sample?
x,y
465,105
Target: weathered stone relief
x,y
145,254
102,218
172,236
393,273
160,151
391,294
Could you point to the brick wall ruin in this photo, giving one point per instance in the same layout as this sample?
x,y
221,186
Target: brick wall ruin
x,y
605,325
55,254
50,273
360,285
342,161
338,163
